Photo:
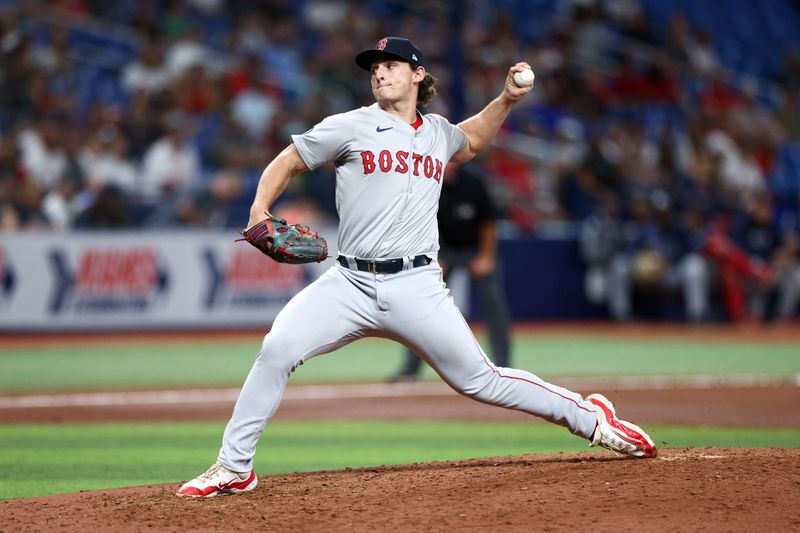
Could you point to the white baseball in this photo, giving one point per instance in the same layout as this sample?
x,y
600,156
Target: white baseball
x,y
524,78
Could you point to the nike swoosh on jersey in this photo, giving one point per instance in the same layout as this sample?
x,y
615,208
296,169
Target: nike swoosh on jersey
x,y
379,129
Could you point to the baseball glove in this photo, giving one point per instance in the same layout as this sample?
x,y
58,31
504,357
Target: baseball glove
x,y
286,243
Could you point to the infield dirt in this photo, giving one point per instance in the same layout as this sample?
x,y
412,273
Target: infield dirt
x,y
708,489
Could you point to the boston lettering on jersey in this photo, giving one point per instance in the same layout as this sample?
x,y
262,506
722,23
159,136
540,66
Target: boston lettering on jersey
x,y
400,161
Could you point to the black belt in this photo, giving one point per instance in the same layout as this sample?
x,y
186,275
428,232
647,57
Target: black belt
x,y
387,266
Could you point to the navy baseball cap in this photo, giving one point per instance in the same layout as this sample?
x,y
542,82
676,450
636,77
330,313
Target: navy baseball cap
x,y
391,47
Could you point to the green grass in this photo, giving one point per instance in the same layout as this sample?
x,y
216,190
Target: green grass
x,y
192,364
49,459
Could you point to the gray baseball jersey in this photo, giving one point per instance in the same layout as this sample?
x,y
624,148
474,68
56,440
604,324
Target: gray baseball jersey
x,y
388,181
388,178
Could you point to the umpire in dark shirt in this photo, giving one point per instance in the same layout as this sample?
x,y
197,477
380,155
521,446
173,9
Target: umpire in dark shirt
x,y
468,239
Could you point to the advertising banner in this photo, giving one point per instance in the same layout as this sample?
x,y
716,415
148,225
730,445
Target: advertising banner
x,y
142,280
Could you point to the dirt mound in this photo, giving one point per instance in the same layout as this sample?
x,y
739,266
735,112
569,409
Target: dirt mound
x,y
709,489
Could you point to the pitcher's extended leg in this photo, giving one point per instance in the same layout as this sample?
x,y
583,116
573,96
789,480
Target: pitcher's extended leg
x,y
427,319
329,313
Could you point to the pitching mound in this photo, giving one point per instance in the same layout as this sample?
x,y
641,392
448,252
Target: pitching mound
x,y
683,489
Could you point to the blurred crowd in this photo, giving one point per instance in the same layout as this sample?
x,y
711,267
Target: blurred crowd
x,y
682,172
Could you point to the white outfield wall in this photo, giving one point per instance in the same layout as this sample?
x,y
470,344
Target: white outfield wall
x,y
142,280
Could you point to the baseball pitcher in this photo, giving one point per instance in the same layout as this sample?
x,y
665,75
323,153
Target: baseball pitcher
x,y
386,281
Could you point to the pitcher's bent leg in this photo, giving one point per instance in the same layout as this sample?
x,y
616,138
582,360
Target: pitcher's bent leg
x,y
258,400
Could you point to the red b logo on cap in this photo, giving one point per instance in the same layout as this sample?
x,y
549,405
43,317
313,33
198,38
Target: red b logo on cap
x,y
381,44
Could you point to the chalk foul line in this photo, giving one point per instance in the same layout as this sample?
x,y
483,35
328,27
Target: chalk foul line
x,y
376,390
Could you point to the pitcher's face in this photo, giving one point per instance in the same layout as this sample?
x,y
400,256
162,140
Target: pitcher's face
x,y
393,80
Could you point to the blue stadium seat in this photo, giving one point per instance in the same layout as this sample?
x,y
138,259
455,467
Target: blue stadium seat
x,y
747,32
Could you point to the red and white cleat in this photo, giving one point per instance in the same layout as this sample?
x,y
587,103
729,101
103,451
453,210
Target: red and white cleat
x,y
618,435
217,481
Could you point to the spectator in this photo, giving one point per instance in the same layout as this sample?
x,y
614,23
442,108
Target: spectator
x,y
590,36
17,94
20,200
188,51
764,133
54,55
175,22
629,85
635,25
741,175
634,154
254,103
660,257
195,92
601,239
579,193
60,205
677,38
104,161
250,73
787,265
44,159
719,96
758,234
568,146
661,84
249,37
283,55
702,55
234,148
171,164
147,72
141,124
735,266
108,210
210,206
